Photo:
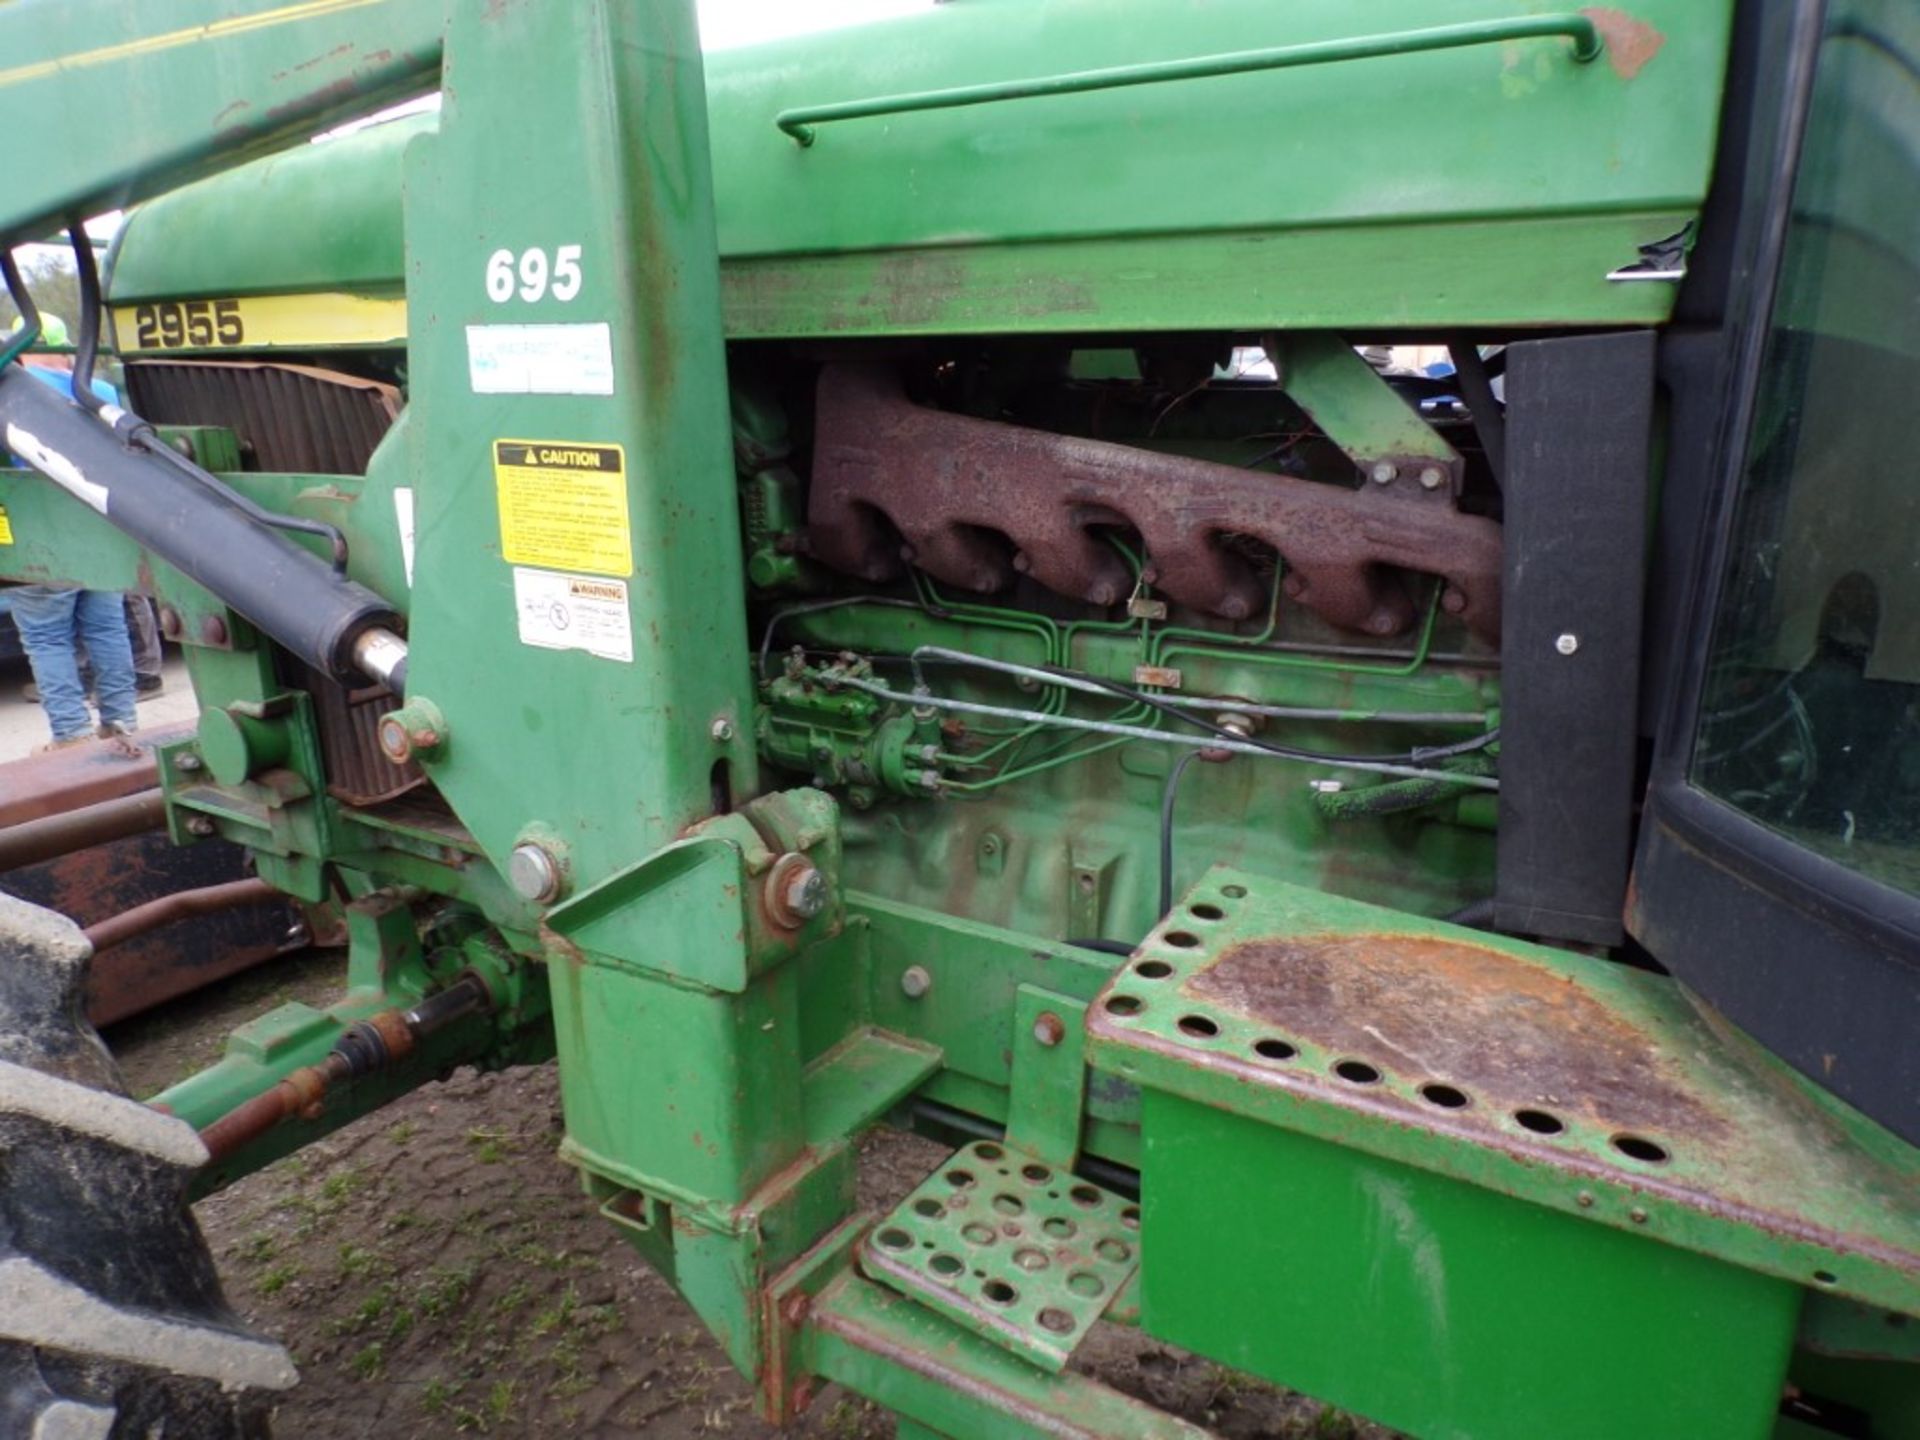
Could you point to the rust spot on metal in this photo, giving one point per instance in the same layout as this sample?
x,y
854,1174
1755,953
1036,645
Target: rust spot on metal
x,y
977,502
1470,1015
61,781
1631,43
560,946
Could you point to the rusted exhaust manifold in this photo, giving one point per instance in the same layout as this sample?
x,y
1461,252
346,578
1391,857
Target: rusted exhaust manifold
x,y
977,501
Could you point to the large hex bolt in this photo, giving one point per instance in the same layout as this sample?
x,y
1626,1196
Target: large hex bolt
x,y
535,874
796,891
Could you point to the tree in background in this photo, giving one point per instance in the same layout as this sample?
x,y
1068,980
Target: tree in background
x,y
51,280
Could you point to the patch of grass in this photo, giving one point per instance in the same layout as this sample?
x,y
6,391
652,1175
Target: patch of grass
x,y
552,1318
490,1147
278,1278
369,1362
513,1299
444,1289
847,1421
437,1396
402,1132
359,1261
500,1401
1332,1424
258,1248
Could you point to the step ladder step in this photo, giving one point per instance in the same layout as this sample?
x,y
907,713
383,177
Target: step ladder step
x,y
1013,1249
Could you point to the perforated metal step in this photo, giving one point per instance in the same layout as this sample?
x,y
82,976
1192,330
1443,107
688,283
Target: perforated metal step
x,y
1020,1252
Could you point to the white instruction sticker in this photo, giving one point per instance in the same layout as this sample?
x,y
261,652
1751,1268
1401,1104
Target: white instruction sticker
x,y
573,612
540,359
403,514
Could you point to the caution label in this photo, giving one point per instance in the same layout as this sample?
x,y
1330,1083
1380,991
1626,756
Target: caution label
x,y
573,612
6,527
563,504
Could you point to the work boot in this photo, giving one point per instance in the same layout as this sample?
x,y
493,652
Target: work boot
x,y
146,687
66,744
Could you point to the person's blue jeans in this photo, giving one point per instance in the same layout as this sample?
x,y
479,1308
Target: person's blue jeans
x,y
49,619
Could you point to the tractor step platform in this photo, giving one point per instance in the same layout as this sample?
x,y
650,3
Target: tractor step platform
x,y
1020,1252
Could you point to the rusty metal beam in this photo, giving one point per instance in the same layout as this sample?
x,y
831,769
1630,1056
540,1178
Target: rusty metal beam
x,y
182,904
52,836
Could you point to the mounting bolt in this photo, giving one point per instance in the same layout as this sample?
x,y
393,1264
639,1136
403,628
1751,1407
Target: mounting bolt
x,y
796,891
1567,642
1584,1199
794,1308
1385,472
1431,477
213,630
1637,1215
198,825
416,729
188,762
721,730
915,981
1049,1029
1326,787
534,874
169,622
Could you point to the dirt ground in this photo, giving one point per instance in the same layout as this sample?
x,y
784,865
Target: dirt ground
x,y
435,1271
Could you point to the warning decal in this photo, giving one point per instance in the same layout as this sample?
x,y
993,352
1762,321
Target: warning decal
x,y
563,504
573,612
6,527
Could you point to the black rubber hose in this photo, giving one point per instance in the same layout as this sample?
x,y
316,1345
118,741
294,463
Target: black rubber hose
x,y
1167,798
1489,419
87,346
1105,947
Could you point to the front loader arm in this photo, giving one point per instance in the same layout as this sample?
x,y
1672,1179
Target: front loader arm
x,y
104,103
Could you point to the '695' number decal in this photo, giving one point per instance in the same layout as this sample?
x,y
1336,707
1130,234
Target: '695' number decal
x,y
187,324
531,276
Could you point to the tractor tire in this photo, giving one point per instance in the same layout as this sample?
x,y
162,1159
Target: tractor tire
x,y
111,1318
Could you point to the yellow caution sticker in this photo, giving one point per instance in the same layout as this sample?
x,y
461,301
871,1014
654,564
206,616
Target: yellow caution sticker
x,y
563,504
6,527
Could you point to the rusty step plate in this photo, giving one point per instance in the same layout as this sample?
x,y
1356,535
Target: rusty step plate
x,y
1017,1251
1570,1081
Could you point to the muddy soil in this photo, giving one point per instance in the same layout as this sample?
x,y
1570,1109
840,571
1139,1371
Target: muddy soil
x,y
435,1271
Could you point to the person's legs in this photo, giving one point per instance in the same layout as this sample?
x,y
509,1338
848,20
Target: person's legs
x,y
102,618
148,658
44,617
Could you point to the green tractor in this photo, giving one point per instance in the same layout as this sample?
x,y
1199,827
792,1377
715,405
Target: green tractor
x,y
1296,629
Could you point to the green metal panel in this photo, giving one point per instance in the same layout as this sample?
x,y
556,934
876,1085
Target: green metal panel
x,y
1498,184
1573,1083
1518,126
191,84
345,193
1438,1307
536,732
